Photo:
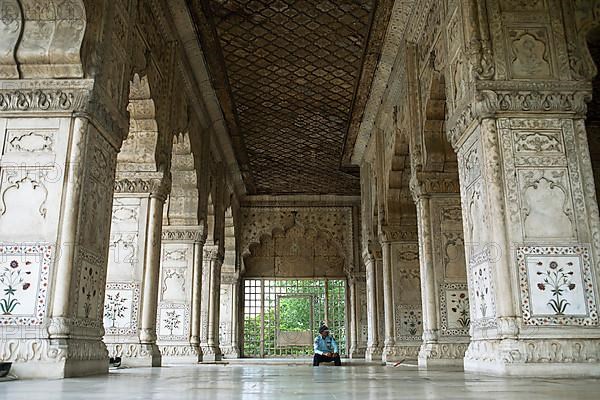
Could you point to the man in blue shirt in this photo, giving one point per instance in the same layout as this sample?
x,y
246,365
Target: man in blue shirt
x,y
326,348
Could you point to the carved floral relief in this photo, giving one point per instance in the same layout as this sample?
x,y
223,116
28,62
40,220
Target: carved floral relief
x,y
546,205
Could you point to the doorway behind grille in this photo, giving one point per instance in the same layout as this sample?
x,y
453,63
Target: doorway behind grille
x,y
282,316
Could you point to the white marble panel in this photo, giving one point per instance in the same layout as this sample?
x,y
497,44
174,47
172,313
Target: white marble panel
x,y
556,285
24,275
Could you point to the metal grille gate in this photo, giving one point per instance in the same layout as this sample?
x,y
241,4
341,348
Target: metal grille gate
x,y
282,316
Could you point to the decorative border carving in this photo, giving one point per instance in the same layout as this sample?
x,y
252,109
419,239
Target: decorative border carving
x,y
45,95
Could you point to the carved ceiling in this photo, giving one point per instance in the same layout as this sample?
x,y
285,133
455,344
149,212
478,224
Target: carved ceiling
x,y
290,72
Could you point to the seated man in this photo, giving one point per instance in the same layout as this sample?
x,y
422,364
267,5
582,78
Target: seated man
x,y
326,348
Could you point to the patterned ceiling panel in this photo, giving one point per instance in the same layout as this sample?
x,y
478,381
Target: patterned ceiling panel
x,y
292,67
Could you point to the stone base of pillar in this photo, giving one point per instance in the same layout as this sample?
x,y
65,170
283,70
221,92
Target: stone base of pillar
x,y
442,355
180,354
373,353
55,358
136,354
230,352
211,354
357,352
400,352
566,358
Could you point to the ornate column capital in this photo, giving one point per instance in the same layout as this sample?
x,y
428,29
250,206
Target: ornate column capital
x,y
196,233
212,252
64,96
425,184
397,233
230,278
493,99
157,184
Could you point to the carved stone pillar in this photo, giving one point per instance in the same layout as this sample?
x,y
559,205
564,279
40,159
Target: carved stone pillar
x,y
133,268
228,315
374,350
529,209
388,300
235,320
197,297
211,283
357,348
401,293
443,270
180,270
56,183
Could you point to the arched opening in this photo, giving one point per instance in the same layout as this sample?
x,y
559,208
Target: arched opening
x,y
140,188
294,281
178,265
443,267
401,219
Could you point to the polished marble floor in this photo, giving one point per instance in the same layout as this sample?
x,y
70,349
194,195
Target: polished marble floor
x,y
266,382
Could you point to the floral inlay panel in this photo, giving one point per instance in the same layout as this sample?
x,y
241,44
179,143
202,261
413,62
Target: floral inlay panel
x,y
121,308
409,322
173,322
482,297
455,309
24,272
556,286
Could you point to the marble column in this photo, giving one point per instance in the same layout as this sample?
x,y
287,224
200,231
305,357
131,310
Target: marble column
x,y
151,281
374,350
530,212
235,320
197,297
388,301
181,266
211,283
228,315
133,269
58,166
357,348
401,293
444,290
